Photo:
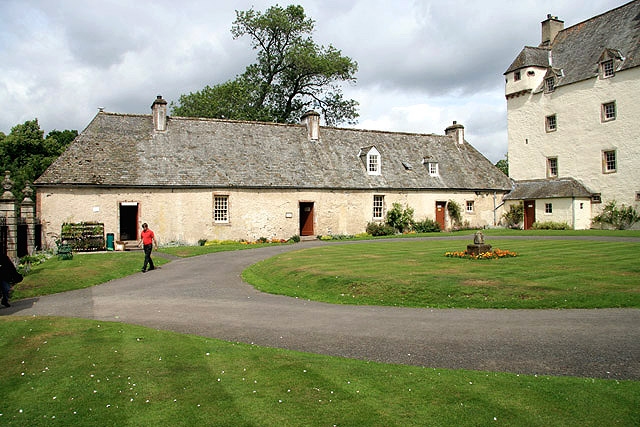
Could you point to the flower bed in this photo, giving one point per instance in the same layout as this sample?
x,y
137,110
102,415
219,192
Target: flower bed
x,y
494,254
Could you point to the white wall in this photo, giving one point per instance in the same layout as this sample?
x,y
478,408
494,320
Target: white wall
x,y
581,135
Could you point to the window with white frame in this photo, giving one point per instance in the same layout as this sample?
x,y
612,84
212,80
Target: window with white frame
x,y
221,209
470,206
609,161
552,167
372,160
551,123
433,168
378,207
548,208
608,111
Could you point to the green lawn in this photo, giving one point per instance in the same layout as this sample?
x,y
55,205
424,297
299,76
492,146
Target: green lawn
x,y
415,273
81,372
59,371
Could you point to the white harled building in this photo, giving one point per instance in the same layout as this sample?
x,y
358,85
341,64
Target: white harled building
x,y
574,118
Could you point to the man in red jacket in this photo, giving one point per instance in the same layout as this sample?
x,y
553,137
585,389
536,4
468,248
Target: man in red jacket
x,y
148,241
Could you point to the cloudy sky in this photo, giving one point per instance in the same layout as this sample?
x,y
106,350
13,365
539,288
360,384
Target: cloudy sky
x,y
422,63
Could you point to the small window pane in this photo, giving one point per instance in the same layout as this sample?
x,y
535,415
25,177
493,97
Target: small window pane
x,y
609,161
552,123
221,209
469,206
550,84
548,208
609,111
378,204
552,167
373,163
607,68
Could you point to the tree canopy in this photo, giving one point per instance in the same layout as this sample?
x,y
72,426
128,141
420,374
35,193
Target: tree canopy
x,y
26,153
292,74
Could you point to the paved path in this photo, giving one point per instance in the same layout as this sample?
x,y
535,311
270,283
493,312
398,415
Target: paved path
x,y
206,296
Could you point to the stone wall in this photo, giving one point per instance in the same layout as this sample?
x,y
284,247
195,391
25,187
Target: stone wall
x,y
186,215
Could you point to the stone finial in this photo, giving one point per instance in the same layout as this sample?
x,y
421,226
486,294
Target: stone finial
x,y
27,191
7,184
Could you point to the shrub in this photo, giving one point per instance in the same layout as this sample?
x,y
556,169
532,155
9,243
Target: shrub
x,y
380,229
400,219
426,226
201,242
619,218
515,215
550,225
455,212
295,238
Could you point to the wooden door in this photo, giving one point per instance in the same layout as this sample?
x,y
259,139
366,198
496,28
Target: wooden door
x,y
440,210
529,213
306,219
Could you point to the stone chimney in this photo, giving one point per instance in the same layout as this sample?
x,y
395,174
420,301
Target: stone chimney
x,y
550,29
456,131
159,112
312,120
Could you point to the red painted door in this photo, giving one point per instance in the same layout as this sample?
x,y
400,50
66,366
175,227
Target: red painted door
x,y
529,213
440,209
306,219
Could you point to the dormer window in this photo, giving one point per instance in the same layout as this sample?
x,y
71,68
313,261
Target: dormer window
x,y
607,69
372,160
549,84
609,60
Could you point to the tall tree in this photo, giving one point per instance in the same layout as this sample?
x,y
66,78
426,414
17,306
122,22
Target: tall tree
x,y
292,74
26,153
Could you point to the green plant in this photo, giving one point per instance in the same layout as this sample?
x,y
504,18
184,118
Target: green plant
x,y
514,215
550,225
619,218
413,273
380,229
455,212
426,226
401,219
202,242
67,371
295,238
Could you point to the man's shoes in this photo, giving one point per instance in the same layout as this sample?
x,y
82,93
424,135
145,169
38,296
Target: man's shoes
x,y
144,271
152,268
5,302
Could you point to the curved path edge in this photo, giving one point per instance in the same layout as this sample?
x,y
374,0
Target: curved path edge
x,y
206,296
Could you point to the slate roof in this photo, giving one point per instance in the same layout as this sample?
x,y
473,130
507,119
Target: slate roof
x,y
576,50
123,150
548,189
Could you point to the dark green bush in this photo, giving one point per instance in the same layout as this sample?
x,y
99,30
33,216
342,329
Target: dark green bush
x,y
426,226
380,229
400,219
619,218
514,216
550,225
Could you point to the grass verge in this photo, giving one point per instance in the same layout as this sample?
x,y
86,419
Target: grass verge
x,y
415,273
83,271
84,373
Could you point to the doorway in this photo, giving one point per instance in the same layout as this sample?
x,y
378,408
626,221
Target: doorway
x,y
529,213
129,221
306,219
440,210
